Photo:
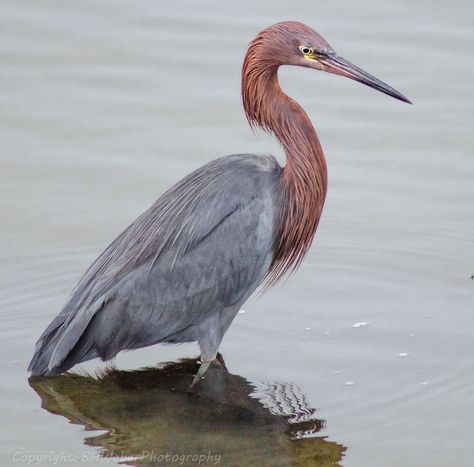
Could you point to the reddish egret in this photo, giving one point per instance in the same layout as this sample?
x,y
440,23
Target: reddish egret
x,y
182,270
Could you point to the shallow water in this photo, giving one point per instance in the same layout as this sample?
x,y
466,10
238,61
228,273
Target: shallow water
x,y
155,417
105,105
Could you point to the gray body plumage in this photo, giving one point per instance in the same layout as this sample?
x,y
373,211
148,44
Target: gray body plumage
x,y
179,273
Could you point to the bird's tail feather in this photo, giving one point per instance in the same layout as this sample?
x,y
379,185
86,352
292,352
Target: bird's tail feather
x,y
40,363
64,344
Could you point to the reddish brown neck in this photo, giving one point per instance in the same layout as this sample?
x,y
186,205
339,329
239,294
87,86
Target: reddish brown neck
x,y
304,177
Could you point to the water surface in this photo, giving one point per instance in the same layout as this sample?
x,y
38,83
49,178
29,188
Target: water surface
x,y
156,420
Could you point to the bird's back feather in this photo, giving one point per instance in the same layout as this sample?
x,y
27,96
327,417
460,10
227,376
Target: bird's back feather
x,y
200,248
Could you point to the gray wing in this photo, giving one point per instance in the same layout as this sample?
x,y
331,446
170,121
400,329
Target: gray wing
x,y
202,246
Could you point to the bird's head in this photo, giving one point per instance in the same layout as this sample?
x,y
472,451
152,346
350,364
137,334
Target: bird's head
x,y
294,43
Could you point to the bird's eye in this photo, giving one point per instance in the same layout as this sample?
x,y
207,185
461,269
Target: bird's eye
x,y
306,50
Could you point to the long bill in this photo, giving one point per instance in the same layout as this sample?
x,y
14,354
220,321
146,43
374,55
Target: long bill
x,y
340,66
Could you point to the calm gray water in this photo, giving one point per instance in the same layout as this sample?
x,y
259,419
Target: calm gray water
x,y
103,105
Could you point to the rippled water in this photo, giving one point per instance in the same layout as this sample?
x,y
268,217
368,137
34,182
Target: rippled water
x,y
103,105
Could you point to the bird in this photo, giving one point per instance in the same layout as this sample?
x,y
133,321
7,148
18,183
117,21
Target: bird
x,y
183,269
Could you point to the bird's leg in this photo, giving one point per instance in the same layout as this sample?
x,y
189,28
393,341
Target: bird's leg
x,y
209,343
202,369
220,359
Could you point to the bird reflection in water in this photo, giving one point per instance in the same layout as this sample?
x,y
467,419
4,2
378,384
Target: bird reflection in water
x,y
225,420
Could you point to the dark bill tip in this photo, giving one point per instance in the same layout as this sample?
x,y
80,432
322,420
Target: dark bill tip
x,y
341,66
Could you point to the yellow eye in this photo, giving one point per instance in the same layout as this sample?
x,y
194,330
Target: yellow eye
x,y
306,50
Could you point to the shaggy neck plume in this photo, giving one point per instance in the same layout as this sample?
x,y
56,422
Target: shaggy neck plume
x,y
304,176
